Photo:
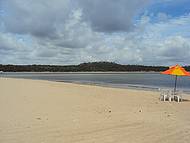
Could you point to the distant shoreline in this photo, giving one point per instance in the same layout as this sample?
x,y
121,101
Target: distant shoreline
x,y
89,72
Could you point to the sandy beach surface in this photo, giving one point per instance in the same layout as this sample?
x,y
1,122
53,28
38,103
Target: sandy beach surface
x,y
34,111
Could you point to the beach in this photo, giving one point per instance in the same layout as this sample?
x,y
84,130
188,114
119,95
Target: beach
x,y
36,111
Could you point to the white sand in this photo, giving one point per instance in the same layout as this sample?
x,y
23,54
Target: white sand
x,y
49,112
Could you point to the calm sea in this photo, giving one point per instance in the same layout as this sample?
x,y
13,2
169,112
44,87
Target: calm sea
x,y
151,81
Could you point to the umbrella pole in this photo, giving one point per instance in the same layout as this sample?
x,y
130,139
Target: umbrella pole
x,y
175,83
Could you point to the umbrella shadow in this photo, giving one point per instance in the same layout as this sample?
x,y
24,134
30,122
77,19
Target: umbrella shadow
x,y
185,100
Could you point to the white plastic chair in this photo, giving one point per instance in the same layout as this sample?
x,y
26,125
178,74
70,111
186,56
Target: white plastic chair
x,y
178,96
164,95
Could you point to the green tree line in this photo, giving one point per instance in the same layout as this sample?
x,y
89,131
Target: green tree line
x,y
92,66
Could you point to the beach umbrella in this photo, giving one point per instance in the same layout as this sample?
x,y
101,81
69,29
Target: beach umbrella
x,y
176,70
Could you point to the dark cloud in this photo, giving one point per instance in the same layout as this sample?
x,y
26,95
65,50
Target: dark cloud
x,y
111,15
42,18
36,17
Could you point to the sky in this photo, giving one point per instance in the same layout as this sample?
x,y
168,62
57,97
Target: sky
x,y
64,32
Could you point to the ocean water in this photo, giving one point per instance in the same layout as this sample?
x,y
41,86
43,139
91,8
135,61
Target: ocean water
x,y
147,81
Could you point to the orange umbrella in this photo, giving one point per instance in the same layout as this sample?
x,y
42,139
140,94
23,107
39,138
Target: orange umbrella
x,y
176,70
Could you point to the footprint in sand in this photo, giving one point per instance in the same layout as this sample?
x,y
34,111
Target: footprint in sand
x,y
38,118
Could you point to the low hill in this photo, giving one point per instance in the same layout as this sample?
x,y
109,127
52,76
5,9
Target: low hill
x,y
110,66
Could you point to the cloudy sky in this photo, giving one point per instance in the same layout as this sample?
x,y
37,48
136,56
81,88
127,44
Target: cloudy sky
x,y
62,32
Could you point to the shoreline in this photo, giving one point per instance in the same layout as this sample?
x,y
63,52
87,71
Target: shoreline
x,y
126,86
109,85
117,86
104,85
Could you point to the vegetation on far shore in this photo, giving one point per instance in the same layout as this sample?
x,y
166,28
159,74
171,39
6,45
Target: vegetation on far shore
x,y
84,67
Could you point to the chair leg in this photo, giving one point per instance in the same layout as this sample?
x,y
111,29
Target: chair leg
x,y
164,97
178,99
161,98
170,99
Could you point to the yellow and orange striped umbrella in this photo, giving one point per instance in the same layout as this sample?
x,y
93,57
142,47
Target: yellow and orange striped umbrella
x,y
176,70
